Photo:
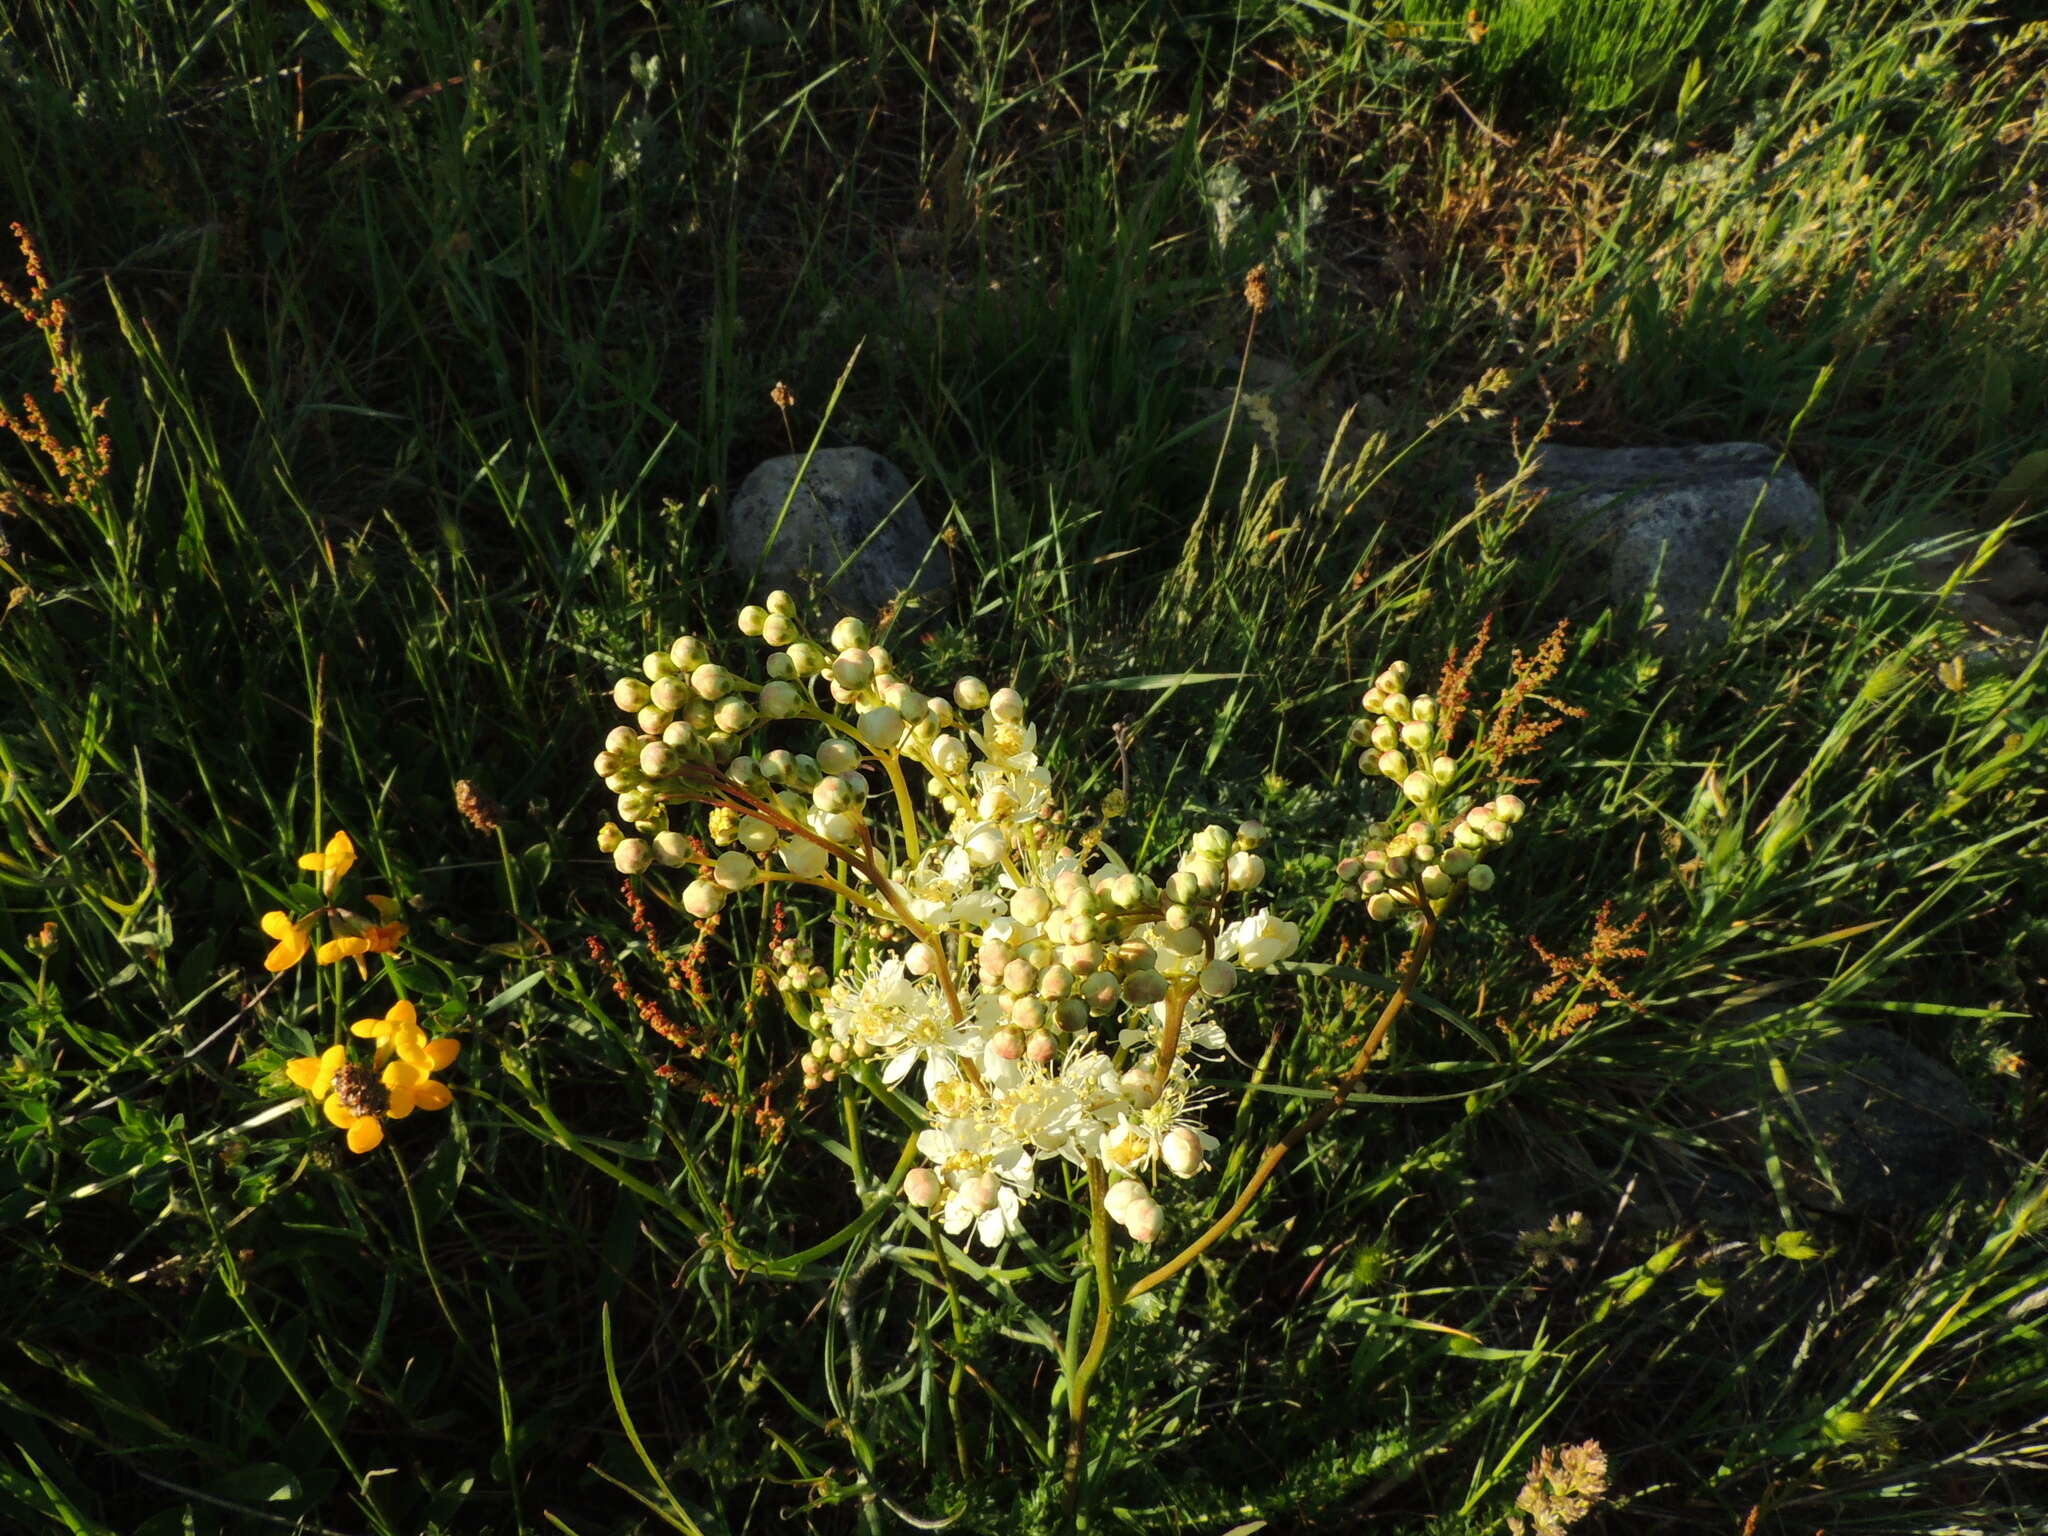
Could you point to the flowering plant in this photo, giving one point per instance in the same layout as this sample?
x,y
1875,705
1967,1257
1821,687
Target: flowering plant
x,y
1053,1006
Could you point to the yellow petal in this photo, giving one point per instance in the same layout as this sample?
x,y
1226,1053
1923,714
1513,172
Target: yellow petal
x,y
442,1053
277,925
304,1071
337,949
369,1029
338,1113
312,861
365,1134
331,1062
402,1096
341,853
401,1075
432,1095
403,1012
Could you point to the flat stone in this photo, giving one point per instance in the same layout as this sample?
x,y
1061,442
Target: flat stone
x,y
1667,522
848,538
1871,1126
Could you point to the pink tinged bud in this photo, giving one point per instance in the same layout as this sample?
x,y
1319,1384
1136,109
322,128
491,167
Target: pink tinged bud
x,y
1480,877
632,856
1380,907
1120,1197
1393,765
1181,1150
673,849
1139,1087
920,960
629,693
1350,869
981,1191
1509,808
1443,769
702,899
1418,787
1006,1044
1007,705
920,1186
1039,1049
1144,1220
1435,883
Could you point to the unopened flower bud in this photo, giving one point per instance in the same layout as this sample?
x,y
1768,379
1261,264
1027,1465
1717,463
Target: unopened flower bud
x,y
804,858
669,693
971,693
1055,982
1480,877
950,756
632,856
629,693
1418,787
1457,862
849,633
1245,871
1031,906
920,1187
1392,765
1509,808
688,653
980,1191
1250,834
1100,991
1443,769
1144,988
755,835
1181,1150
881,727
1396,706
653,721
852,670
1040,1047
1212,842
673,849
1496,830
1019,977
1007,705
609,837
702,899
735,871
779,700
711,682
1141,1087
736,715
1144,1220
1118,1200
1435,883
1380,907
1217,979
1417,736
752,618
1006,1044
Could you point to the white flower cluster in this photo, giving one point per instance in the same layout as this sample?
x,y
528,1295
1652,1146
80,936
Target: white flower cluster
x,y
1050,994
1430,857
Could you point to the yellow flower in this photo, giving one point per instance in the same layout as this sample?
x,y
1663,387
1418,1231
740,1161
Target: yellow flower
x,y
352,937
334,862
358,1100
292,940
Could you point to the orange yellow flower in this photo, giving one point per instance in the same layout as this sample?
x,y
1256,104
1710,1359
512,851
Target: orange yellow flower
x,y
358,1100
292,940
333,862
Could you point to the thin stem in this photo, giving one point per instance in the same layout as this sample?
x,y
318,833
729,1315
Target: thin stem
x,y
1106,1306
1169,1041
1275,1154
913,850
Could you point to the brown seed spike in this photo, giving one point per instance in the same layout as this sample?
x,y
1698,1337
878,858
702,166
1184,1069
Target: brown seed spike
x,y
360,1092
1258,289
478,808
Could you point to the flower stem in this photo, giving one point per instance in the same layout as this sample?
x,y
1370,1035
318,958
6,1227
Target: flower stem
x,y
1107,1302
1276,1153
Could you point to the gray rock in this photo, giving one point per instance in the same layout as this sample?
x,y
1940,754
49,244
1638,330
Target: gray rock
x,y
1668,521
1871,1125
849,538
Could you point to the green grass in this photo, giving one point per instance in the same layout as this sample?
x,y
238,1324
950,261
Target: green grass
x,y
422,394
